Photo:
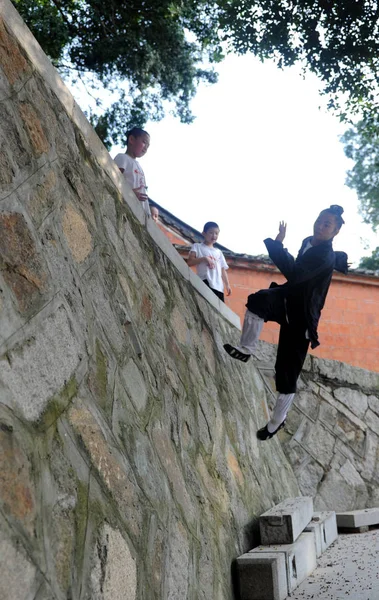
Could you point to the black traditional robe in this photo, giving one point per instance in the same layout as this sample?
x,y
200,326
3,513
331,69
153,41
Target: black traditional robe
x,y
296,305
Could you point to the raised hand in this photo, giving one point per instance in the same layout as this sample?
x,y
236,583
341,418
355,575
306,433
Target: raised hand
x,y
210,261
282,231
140,192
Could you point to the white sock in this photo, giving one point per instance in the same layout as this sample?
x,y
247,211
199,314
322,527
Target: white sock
x,y
282,406
251,330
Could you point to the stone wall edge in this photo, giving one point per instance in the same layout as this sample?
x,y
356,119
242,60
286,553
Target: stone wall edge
x,y
20,31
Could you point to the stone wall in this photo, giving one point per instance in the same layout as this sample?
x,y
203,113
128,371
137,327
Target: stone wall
x,y
332,432
129,467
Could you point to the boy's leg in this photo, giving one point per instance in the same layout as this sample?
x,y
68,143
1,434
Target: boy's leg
x,y
269,306
251,330
292,350
252,327
281,408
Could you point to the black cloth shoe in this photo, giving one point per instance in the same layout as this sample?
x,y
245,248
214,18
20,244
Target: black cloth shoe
x,y
264,434
234,353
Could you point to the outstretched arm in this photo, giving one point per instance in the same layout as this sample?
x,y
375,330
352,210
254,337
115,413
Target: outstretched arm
x,y
279,255
307,267
282,232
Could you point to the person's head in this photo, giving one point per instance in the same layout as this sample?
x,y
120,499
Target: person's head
x,y
328,223
137,142
154,213
211,232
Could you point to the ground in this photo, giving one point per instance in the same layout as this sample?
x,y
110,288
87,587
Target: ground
x,y
348,569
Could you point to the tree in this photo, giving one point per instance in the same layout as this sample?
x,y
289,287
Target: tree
x,y
159,47
143,51
335,39
361,144
370,262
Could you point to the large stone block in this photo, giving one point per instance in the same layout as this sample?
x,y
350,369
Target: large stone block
x,y
18,574
77,235
112,467
12,61
21,264
283,523
353,399
262,577
324,527
358,518
34,129
17,495
114,573
32,373
300,558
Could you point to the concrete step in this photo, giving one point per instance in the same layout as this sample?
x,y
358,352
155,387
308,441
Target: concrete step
x,y
262,577
358,518
324,526
283,523
300,558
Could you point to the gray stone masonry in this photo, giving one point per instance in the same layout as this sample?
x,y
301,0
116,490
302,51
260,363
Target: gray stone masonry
x,y
129,464
300,558
358,518
331,436
262,577
324,526
283,523
129,461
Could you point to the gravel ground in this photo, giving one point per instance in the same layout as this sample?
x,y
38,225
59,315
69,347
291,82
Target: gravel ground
x,y
348,569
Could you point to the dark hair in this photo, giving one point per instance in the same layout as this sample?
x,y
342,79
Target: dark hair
x,y
337,211
209,225
136,132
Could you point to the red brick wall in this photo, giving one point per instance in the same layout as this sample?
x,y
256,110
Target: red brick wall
x,y
349,327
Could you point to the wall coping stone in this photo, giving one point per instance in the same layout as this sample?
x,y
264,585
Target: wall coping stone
x,y
52,78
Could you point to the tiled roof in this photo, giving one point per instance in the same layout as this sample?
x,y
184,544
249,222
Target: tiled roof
x,y
188,232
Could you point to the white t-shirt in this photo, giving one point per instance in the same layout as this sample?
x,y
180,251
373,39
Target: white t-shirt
x,y
133,174
213,276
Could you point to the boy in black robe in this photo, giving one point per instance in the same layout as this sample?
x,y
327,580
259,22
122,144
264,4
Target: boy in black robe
x,y
296,306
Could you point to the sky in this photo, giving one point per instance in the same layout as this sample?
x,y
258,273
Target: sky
x,y
263,148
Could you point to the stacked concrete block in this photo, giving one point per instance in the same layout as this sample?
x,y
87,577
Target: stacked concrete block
x,y
283,523
300,558
262,576
285,558
324,527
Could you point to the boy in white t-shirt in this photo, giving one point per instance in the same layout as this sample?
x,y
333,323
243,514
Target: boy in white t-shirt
x,y
210,263
137,144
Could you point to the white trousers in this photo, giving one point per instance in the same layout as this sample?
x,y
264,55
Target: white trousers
x,y
251,330
281,408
